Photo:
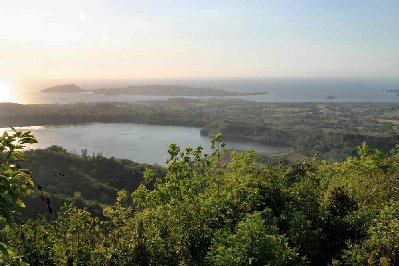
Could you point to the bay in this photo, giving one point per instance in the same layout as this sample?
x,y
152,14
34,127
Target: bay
x,y
138,142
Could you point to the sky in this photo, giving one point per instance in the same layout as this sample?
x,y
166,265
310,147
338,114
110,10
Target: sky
x,y
129,39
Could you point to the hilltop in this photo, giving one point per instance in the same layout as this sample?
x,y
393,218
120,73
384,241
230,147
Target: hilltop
x,y
66,88
216,209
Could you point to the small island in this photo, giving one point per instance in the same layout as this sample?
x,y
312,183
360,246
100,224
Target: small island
x,y
155,90
66,88
396,91
331,97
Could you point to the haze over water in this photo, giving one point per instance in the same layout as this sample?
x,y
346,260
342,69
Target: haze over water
x,y
278,90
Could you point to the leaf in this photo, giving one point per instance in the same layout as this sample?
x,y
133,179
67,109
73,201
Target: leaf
x,y
384,261
21,203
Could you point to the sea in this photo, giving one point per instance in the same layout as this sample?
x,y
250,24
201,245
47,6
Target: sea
x,y
149,143
278,90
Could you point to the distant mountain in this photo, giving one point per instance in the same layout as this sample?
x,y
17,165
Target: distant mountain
x,y
66,88
171,90
152,90
394,90
331,97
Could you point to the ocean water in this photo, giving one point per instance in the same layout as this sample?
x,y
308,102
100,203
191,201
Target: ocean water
x,y
278,90
149,143
138,142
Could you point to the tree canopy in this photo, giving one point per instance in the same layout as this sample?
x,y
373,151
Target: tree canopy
x,y
217,209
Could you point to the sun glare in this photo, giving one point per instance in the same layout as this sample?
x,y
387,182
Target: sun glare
x,y
5,92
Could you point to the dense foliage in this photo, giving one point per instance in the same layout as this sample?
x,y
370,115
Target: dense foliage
x,y
85,180
211,210
14,182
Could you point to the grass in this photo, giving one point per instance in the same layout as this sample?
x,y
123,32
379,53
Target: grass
x,y
391,121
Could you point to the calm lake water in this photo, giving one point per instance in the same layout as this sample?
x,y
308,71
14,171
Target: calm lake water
x,y
137,142
278,90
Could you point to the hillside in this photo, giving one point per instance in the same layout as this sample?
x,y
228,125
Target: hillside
x,y
86,180
207,210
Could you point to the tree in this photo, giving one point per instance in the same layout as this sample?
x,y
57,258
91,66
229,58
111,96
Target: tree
x,y
253,242
381,247
14,181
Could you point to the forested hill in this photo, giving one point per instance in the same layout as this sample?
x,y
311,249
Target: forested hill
x,y
333,130
86,180
207,210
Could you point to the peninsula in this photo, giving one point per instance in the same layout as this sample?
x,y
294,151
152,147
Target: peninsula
x,y
154,90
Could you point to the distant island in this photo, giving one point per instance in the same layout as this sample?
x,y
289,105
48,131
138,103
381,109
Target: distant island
x,y
153,90
66,88
331,97
394,91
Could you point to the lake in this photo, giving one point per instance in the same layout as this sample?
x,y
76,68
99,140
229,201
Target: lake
x,y
138,142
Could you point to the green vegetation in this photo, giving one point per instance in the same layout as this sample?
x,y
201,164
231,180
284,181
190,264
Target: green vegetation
x,y
217,209
14,183
391,121
333,130
86,181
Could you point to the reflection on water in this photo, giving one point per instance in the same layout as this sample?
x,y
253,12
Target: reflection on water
x,y
138,142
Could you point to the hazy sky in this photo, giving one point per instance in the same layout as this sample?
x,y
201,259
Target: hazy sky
x,y
90,39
